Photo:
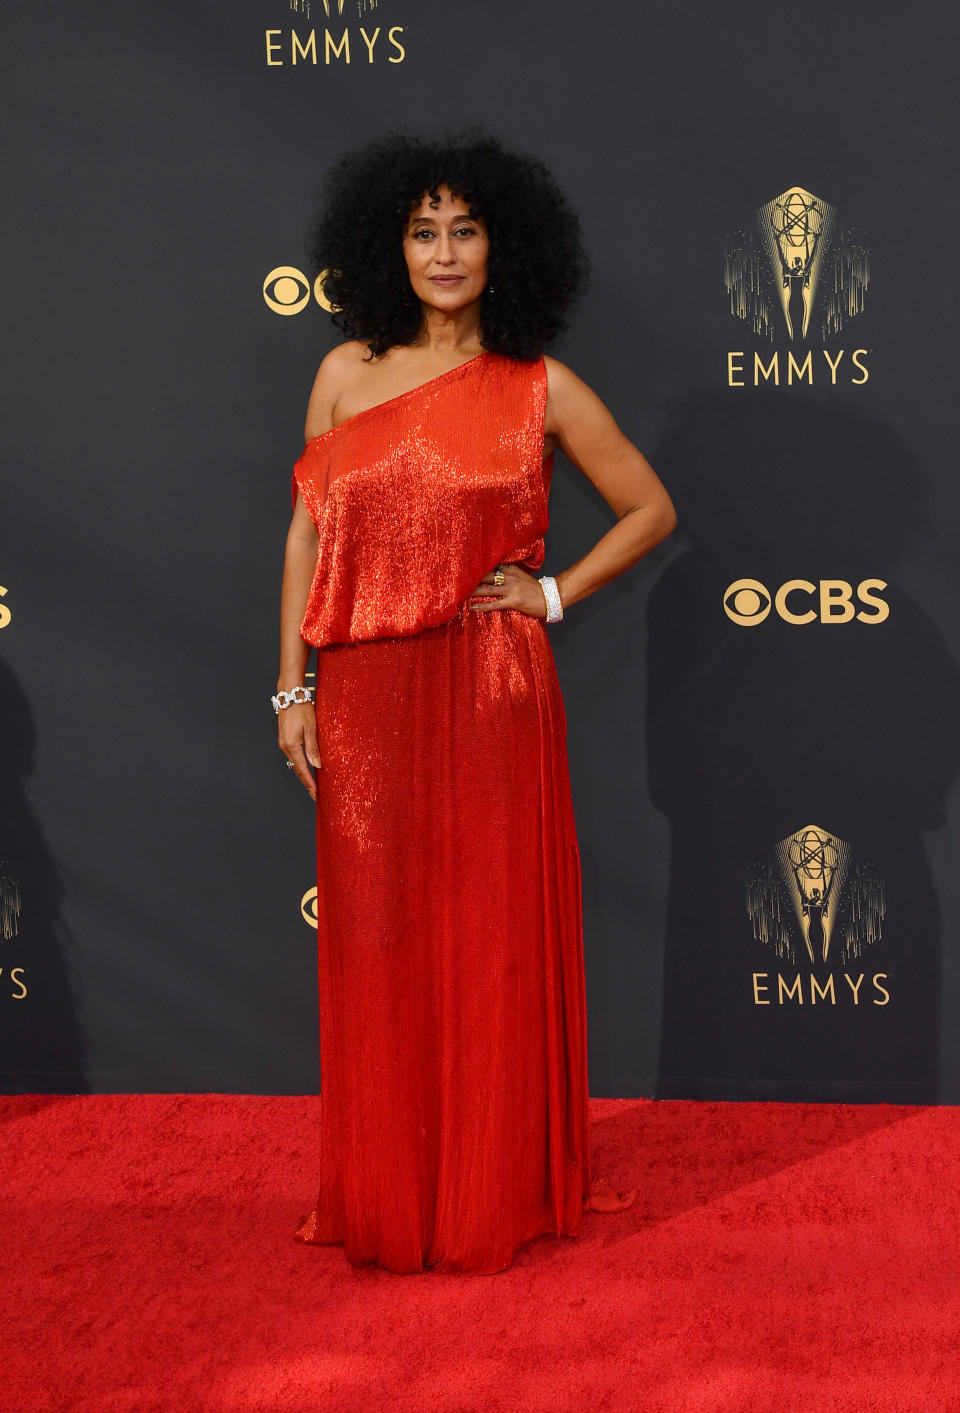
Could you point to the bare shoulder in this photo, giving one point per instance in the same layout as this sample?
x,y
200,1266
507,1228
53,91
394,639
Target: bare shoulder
x,y
336,371
560,378
568,396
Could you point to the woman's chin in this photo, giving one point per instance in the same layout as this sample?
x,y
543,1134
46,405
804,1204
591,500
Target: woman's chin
x,y
450,301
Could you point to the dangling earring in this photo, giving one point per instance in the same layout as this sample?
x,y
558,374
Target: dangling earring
x,y
489,289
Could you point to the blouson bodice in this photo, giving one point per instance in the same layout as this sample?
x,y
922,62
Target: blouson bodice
x,y
415,499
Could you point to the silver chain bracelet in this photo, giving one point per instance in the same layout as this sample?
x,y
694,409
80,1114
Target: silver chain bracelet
x,y
299,696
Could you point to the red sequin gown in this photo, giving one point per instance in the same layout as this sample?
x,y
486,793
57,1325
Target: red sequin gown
x,y
453,1112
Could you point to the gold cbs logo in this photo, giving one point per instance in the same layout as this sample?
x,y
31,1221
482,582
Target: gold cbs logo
x,y
308,907
747,602
286,290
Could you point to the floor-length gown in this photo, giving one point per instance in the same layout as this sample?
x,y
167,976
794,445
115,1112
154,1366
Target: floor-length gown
x,y
453,1111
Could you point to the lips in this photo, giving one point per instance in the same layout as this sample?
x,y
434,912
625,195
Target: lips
x,y
447,281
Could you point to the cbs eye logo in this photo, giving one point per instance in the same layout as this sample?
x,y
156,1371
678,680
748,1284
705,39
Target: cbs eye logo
x,y
308,907
286,290
747,602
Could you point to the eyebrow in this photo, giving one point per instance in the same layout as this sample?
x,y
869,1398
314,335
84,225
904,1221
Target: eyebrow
x,y
431,220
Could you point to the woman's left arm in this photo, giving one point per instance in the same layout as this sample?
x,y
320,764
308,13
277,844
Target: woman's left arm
x,y
579,424
587,434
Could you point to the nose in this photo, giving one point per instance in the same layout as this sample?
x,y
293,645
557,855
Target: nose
x,y
444,254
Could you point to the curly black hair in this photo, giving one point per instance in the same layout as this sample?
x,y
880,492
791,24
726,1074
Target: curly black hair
x,y
536,264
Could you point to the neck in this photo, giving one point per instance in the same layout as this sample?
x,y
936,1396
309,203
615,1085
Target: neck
x,y
448,333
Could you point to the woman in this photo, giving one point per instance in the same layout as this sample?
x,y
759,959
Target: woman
x,y
453,1124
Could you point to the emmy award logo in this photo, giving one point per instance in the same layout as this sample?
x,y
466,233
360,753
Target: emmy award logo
x,y
794,258
815,865
800,225
811,892
326,33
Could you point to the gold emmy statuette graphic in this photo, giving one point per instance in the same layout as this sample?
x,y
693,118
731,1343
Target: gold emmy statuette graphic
x,y
812,886
308,906
796,258
5,614
797,227
814,867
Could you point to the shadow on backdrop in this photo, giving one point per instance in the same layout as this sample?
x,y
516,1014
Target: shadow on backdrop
x,y
40,1048
798,764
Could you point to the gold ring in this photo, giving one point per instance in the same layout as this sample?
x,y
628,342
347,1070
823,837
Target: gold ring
x,y
499,577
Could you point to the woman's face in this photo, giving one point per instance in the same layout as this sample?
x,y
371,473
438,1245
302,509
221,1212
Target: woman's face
x,y
446,252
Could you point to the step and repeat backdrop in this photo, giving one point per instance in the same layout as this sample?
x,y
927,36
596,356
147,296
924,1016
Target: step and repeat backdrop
x,y
764,716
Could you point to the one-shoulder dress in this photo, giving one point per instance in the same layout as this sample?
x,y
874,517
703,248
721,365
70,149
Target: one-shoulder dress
x,y
453,1065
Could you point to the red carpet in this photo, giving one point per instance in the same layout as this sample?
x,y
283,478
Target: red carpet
x,y
779,1257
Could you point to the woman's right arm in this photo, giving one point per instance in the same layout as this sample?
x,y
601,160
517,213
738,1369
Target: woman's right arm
x,y
297,725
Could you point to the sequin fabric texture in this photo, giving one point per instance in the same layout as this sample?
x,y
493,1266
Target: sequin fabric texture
x,y
453,1116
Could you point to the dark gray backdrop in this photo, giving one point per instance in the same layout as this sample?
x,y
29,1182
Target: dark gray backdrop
x,y
158,170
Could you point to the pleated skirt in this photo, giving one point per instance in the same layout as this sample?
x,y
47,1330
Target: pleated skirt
x,y
453,1064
